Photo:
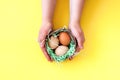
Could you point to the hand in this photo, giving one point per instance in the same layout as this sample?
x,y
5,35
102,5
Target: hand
x,y
78,34
44,31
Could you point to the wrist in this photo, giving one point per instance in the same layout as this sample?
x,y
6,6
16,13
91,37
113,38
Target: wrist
x,y
47,20
74,22
49,23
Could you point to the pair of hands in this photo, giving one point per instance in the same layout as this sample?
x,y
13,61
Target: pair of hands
x,y
75,30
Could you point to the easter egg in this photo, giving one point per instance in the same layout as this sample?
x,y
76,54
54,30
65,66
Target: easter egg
x,y
53,42
64,38
61,50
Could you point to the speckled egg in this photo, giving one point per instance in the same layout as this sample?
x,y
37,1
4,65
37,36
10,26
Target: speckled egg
x,y
61,50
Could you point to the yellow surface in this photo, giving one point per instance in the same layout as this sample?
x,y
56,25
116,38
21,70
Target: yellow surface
x,y
22,59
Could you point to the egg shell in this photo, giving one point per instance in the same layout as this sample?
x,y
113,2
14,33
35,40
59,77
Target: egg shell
x,y
61,50
64,38
53,42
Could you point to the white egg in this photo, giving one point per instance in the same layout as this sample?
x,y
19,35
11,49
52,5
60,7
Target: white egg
x,y
61,50
53,42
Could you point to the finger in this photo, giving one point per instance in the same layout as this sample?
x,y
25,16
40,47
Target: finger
x,y
39,35
45,53
42,36
78,38
77,49
80,43
71,57
42,43
83,38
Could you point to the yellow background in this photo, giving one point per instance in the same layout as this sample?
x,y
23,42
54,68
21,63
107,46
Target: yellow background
x,y
22,59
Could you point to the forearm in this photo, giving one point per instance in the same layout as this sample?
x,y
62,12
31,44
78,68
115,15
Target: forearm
x,y
48,7
75,10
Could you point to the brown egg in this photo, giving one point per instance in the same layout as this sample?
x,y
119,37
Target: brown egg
x,y
64,38
61,50
53,42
